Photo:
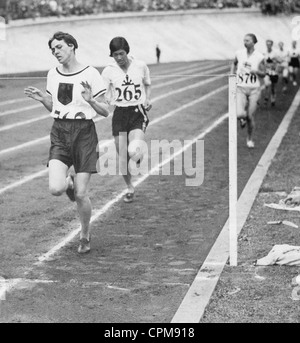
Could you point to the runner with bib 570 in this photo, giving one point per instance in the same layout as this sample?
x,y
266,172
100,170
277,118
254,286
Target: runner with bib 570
x,y
249,67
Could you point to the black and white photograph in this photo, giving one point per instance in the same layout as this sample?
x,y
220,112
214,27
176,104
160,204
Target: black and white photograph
x,y
150,164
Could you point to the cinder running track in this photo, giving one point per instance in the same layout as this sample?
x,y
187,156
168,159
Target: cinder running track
x,y
145,255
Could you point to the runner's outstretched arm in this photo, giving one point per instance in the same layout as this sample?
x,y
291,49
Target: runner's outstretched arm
x,y
38,95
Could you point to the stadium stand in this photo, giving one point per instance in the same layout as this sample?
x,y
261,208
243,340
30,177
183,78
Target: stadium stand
x,y
23,9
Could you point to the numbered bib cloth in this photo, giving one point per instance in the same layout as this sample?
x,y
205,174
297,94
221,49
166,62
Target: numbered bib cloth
x,y
126,89
65,90
245,64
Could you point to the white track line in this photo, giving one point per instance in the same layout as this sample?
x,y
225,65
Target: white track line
x,y
24,180
169,72
108,205
164,95
187,76
157,120
25,145
11,284
25,122
13,101
197,298
20,110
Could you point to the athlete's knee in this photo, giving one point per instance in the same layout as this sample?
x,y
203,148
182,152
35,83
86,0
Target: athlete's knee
x,y
56,190
81,195
136,150
242,114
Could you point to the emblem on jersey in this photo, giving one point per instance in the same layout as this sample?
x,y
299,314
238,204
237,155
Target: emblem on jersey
x,y
127,82
247,65
65,93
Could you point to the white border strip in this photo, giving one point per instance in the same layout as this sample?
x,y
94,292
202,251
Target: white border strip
x,y
197,298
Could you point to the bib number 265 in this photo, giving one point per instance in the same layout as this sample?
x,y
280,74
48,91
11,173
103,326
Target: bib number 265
x,y
129,93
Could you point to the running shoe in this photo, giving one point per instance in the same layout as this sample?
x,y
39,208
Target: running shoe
x,y
250,144
84,246
243,123
70,191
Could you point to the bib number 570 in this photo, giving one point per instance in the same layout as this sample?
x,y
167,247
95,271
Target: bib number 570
x,y
128,93
247,78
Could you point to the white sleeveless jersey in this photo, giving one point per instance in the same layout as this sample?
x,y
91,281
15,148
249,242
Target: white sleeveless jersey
x,y
283,57
271,59
245,64
66,89
294,53
126,89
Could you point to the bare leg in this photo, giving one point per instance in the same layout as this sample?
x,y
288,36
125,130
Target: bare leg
x,y
84,206
121,143
253,98
58,179
135,150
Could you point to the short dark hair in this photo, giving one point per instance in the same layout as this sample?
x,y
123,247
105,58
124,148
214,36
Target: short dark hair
x,y
66,37
118,43
253,37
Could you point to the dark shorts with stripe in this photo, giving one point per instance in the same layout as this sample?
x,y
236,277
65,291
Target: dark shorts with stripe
x,y
294,62
273,77
74,142
126,119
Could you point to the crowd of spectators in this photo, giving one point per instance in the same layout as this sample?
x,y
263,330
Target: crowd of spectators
x,y
22,9
273,7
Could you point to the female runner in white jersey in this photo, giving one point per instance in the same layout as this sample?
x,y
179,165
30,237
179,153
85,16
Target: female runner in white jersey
x,y
294,62
272,61
75,94
128,87
249,67
283,66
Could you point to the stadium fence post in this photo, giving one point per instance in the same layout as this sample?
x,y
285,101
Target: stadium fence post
x,y
232,171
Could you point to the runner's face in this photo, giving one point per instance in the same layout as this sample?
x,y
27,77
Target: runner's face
x,y
248,42
62,51
120,57
269,45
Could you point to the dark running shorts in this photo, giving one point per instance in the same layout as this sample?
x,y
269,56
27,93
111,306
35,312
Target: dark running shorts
x,y
126,119
274,78
294,62
74,142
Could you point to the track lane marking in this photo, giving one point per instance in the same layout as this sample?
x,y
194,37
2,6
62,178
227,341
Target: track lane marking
x,y
197,298
117,198
157,120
